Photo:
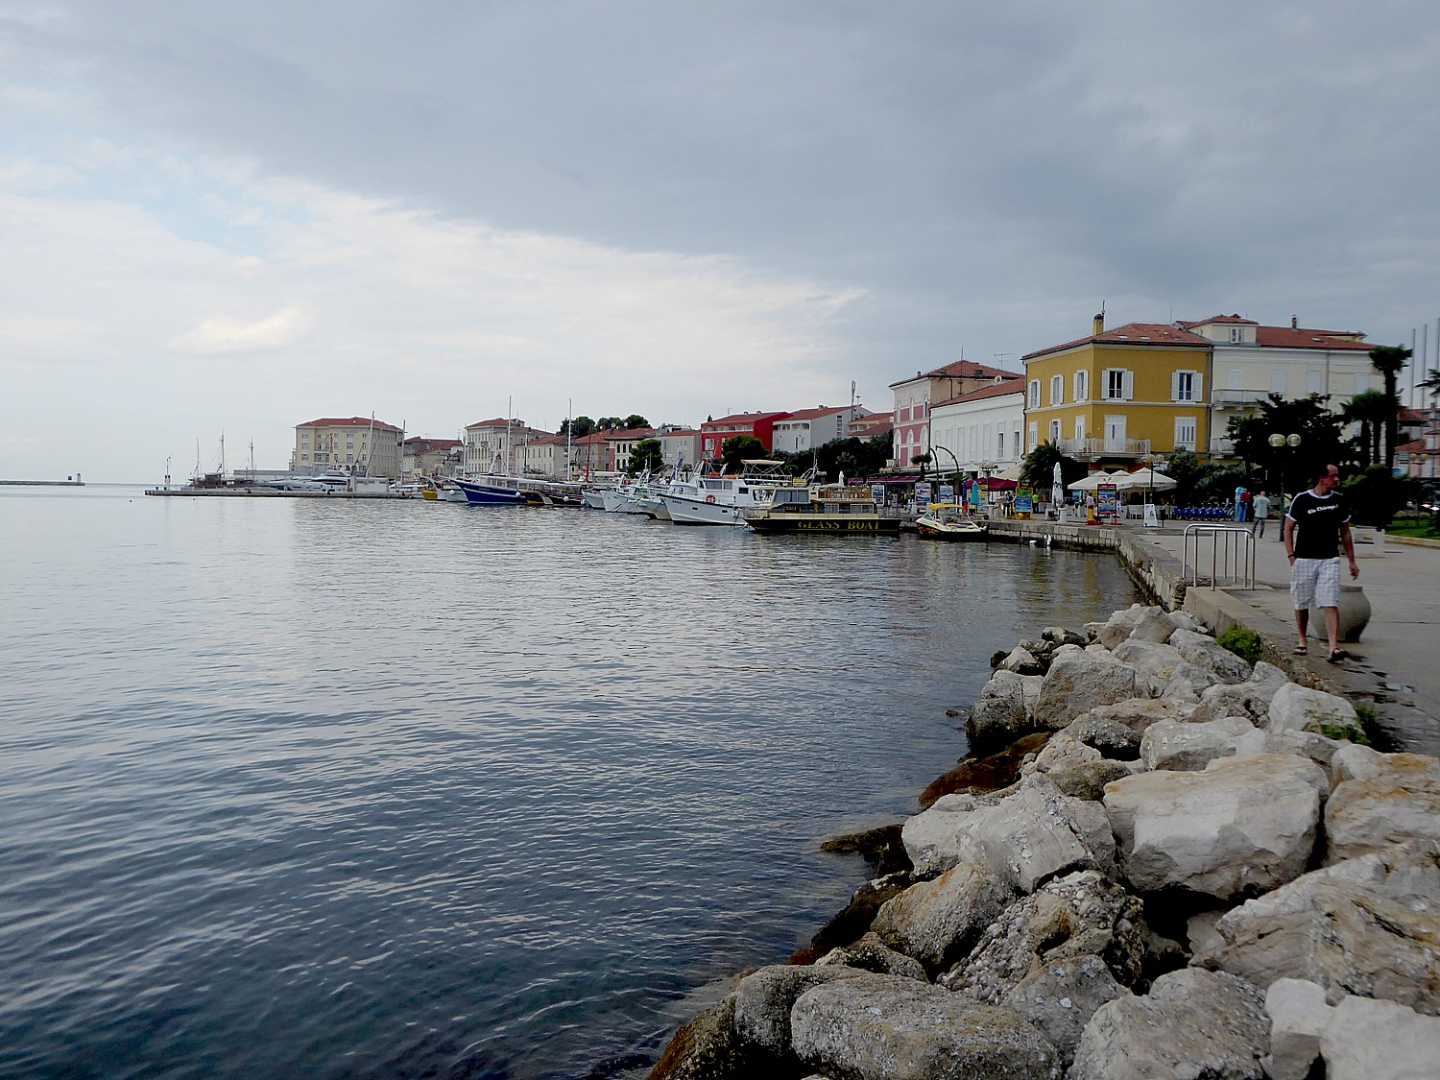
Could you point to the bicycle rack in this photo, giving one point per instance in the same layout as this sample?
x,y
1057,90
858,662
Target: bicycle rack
x,y
1238,562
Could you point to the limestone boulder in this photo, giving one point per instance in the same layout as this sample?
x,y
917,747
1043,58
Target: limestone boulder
x,y
851,922
1204,652
1080,681
1299,708
1249,698
1155,664
764,998
709,1048
1358,1039
1154,625
1351,761
1118,626
878,1027
1021,661
1191,747
1183,620
1088,781
1192,1025
936,922
1305,744
1078,915
871,954
1005,709
987,772
1400,804
1061,635
1037,833
1298,1017
1059,998
1243,825
1369,926
939,838
1139,713
1110,737
1063,751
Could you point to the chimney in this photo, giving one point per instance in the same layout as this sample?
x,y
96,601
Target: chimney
x,y
1294,322
1098,324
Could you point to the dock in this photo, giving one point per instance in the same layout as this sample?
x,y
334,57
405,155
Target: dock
x,y
42,483
271,493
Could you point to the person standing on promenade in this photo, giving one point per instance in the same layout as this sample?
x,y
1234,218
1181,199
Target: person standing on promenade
x,y
1262,511
1316,524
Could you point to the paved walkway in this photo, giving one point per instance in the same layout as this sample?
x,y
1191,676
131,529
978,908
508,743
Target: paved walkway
x,y
1402,584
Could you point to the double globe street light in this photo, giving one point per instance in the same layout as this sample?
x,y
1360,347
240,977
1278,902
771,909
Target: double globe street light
x,y
1284,442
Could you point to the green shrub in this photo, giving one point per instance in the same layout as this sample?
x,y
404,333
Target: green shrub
x,y
1338,732
1244,643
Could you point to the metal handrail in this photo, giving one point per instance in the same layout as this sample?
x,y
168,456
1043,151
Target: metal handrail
x,y
1239,564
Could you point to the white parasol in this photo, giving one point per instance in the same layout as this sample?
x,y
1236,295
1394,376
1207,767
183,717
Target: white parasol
x,y
1146,479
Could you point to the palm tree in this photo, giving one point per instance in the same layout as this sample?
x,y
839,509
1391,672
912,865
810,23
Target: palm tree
x,y
1370,409
1431,382
1389,361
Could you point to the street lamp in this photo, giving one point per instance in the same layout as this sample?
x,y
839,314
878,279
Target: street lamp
x,y
1281,442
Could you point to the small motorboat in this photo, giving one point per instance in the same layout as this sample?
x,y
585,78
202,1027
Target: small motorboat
x,y
946,521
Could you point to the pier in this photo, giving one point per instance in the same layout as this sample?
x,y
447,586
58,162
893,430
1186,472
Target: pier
x,y
42,483
272,493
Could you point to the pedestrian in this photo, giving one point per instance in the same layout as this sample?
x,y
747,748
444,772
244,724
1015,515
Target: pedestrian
x,y
1316,526
1262,511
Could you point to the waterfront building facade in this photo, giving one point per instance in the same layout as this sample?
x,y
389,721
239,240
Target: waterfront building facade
x,y
591,454
810,428
1251,362
678,446
548,457
352,444
981,429
872,425
423,456
1120,395
620,442
913,397
497,446
715,433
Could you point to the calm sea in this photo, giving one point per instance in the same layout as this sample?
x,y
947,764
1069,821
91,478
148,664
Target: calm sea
x,y
390,789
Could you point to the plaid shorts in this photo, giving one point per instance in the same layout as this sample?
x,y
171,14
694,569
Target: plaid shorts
x,y
1315,583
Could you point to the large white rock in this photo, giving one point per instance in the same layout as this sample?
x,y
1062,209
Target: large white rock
x,y
1113,738
1139,713
939,838
1203,652
1060,997
1154,626
1299,708
1080,681
1352,761
1022,662
1037,833
1243,825
764,998
1191,747
871,953
1064,751
1117,628
1193,1025
1402,803
936,922
1155,664
1368,926
1005,709
879,1027
1358,1039
1250,698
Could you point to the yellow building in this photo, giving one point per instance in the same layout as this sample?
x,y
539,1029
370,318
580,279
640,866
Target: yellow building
x,y
1120,394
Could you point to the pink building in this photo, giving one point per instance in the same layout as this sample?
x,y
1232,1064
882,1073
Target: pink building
x,y
913,397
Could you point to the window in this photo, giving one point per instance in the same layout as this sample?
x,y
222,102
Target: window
x,y
1079,429
1055,432
1000,446
1034,438
1057,389
1185,386
1034,393
1185,429
920,411
1236,334
1115,380
1082,385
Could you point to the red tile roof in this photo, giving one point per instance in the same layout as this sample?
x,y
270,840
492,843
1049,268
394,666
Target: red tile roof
x,y
422,445
736,418
811,414
549,440
963,369
1411,447
630,433
591,439
1410,416
1132,334
1009,386
349,421
1225,319
499,421
1284,337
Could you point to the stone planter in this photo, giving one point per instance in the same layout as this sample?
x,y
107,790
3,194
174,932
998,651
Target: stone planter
x,y
1354,615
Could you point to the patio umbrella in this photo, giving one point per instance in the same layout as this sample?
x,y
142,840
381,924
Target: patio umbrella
x,y
1148,479
1091,482
1012,473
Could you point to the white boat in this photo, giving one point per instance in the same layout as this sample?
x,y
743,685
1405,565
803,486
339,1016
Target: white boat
x,y
594,498
718,500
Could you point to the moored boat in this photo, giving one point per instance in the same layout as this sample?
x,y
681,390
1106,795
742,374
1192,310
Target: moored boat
x,y
945,521
483,494
834,509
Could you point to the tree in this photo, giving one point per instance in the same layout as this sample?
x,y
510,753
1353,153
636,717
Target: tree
x,y
1372,410
854,457
1376,494
1321,438
645,456
1389,361
635,420
609,423
738,448
577,428
1431,382
1038,472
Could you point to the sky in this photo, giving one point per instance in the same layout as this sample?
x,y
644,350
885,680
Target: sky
x,y
226,217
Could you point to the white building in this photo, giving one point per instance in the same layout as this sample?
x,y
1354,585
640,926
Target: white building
x,y
911,435
982,429
497,447
811,428
678,446
548,457
1252,361
350,444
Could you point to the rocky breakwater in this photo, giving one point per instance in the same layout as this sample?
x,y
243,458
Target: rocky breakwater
x,y
1194,868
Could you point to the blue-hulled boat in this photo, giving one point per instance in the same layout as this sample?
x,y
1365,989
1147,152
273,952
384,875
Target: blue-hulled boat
x,y
487,495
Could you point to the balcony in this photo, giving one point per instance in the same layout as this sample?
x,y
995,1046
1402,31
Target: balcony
x,y
1222,397
1093,449
1222,447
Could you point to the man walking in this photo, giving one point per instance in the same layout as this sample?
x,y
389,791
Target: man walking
x,y
1316,525
1262,511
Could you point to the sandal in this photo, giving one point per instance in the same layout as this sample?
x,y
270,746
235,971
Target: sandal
x,y
1338,655
1301,650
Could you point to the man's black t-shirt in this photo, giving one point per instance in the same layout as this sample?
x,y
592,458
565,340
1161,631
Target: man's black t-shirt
x,y
1317,524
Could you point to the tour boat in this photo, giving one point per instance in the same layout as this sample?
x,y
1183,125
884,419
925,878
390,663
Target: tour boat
x,y
943,521
833,509
488,494
722,500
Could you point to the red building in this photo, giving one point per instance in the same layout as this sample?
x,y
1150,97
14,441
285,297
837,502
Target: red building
x,y
714,433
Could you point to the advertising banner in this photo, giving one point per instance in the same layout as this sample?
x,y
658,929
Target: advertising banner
x,y
922,492
1107,502
1024,501
947,493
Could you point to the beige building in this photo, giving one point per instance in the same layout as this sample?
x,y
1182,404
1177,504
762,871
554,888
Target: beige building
x,y
547,458
355,444
430,457
497,447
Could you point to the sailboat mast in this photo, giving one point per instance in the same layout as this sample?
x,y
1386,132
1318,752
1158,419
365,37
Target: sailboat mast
x,y
570,423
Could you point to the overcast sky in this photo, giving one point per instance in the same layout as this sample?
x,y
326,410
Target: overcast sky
x,y
240,216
